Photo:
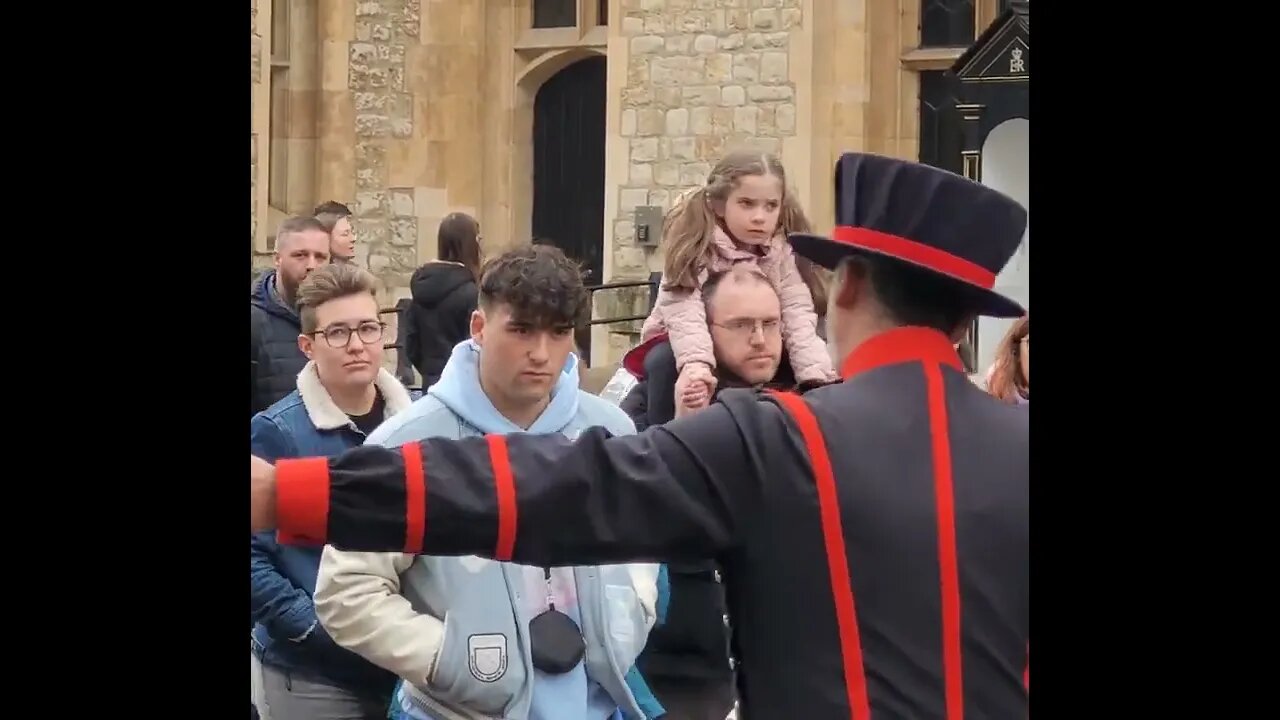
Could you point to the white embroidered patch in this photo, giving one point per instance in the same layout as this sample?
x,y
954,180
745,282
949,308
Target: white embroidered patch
x,y
487,656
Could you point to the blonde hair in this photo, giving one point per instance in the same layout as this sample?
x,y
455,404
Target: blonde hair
x,y
330,282
688,227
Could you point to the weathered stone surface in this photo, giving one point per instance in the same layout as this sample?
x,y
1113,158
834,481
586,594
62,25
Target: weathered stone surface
x,y
629,261
773,68
256,68
646,44
369,125
371,232
256,64
370,204
651,121
400,115
386,221
624,231
632,198
644,149
401,202
404,233
677,122
641,174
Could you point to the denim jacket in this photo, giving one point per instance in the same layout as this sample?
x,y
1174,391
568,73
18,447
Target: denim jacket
x,y
286,634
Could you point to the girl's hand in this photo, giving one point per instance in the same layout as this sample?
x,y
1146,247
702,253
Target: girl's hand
x,y
694,388
685,407
697,394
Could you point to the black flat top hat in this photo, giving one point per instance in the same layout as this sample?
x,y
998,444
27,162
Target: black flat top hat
x,y
925,216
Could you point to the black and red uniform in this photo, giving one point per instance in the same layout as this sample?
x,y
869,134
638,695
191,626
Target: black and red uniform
x,y
873,534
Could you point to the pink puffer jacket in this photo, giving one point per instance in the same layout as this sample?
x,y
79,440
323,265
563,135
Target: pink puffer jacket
x,y
683,316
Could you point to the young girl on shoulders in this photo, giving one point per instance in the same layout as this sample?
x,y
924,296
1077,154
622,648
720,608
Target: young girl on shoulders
x,y
742,214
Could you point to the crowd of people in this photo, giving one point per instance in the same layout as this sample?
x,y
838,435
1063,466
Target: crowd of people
x,y
407,624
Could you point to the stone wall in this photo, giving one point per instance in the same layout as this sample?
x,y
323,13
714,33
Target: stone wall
x,y
256,71
385,224
399,125
703,77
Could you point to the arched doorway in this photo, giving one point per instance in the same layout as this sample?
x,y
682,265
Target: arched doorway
x,y
1005,167
568,167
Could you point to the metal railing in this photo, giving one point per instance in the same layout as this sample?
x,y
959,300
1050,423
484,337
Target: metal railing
x,y
405,370
652,283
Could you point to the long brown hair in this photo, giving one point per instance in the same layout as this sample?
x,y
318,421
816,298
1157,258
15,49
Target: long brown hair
x,y
458,240
1007,380
688,228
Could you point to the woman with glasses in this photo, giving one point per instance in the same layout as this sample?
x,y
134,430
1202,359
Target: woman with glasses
x,y
342,394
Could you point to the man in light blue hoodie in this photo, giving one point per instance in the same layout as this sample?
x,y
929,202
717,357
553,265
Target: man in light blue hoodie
x,y
474,638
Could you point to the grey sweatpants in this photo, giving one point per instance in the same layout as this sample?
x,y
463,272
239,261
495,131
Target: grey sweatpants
x,y
279,696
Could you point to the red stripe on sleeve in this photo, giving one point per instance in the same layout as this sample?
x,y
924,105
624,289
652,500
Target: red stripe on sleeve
x,y
505,484
855,680
1026,671
949,580
415,498
302,501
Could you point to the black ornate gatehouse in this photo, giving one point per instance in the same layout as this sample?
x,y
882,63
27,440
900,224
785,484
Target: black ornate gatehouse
x,y
987,85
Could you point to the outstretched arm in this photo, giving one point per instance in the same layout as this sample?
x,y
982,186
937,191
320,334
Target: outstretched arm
x,y
682,491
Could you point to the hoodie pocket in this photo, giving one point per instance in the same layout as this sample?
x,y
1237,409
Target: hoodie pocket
x,y
481,671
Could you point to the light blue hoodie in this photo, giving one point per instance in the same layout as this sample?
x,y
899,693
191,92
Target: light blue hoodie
x,y
617,622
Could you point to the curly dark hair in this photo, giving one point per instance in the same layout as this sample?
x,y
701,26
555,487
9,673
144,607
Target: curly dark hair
x,y
543,287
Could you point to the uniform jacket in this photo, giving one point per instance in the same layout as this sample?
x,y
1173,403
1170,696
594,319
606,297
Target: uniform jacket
x,y
283,577
454,627
682,314
693,643
873,534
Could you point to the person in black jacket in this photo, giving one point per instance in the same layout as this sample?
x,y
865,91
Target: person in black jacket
x,y
444,296
302,245
686,659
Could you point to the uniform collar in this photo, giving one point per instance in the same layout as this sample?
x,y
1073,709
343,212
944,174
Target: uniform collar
x,y
904,344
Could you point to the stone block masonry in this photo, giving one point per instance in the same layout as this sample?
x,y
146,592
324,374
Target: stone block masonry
x,y
255,48
703,77
385,221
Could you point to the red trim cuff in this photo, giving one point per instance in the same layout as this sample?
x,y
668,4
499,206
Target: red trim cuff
x,y
302,501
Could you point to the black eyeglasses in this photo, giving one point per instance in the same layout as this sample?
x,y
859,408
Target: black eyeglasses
x,y
339,336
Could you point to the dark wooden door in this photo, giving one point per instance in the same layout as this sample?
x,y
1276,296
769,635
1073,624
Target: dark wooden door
x,y
568,163
568,168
